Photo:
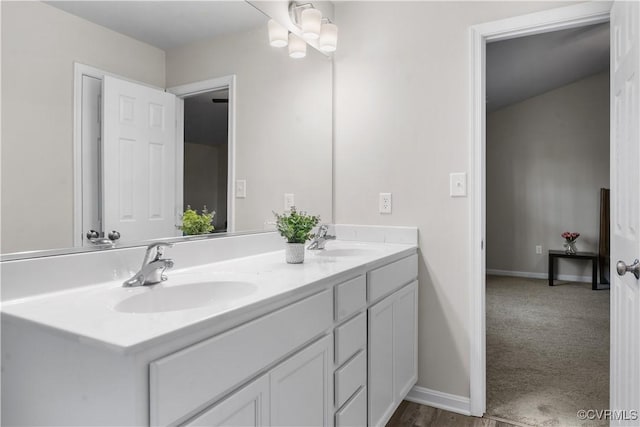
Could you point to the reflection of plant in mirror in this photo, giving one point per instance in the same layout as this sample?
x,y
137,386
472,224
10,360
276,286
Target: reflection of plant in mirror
x,y
296,227
194,223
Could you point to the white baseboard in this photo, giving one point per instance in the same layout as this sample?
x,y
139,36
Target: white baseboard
x,y
438,399
532,275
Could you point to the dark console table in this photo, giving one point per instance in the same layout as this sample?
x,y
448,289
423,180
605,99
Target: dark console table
x,y
580,255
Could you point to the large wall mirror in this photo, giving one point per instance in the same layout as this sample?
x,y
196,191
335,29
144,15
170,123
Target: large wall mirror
x,y
118,116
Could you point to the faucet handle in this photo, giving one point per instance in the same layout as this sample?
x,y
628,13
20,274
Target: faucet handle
x,y
322,231
159,248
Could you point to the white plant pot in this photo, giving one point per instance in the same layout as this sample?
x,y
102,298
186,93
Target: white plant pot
x,y
294,253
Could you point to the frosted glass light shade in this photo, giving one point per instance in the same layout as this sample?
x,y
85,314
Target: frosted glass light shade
x,y
328,37
297,46
278,35
310,21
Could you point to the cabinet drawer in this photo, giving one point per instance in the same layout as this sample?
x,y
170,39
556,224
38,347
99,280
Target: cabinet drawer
x,y
189,379
350,378
350,297
350,337
354,413
384,280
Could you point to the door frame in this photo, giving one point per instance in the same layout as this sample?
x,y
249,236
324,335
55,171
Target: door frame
x,y
525,25
183,91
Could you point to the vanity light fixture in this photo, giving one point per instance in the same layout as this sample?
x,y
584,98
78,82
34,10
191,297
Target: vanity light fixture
x,y
297,47
278,35
311,21
328,36
314,28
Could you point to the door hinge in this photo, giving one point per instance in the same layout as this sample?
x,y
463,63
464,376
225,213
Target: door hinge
x,y
482,244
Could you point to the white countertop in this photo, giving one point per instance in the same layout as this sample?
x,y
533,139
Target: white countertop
x,y
89,313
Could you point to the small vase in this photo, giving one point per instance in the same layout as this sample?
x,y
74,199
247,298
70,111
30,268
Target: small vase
x,y
570,247
294,253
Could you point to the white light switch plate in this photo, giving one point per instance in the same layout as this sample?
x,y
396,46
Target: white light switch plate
x,y
241,189
289,201
458,184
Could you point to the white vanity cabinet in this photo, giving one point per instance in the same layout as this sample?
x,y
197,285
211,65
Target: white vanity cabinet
x,y
301,387
339,349
247,407
295,393
392,338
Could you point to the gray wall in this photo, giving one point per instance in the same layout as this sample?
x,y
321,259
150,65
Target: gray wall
x,y
39,46
283,120
401,126
547,158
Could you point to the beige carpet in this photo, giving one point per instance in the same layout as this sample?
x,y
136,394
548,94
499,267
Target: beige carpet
x,y
547,351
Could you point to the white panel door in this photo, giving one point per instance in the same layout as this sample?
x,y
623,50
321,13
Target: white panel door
x,y
138,161
248,407
302,387
625,211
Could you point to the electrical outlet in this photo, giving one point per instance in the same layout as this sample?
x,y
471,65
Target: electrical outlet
x,y
241,189
289,201
539,249
385,203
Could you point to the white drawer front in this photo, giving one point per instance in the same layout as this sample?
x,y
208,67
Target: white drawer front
x,y
384,280
189,379
350,378
350,337
350,297
354,414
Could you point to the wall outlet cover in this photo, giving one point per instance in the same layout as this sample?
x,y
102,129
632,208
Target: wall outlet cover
x,y
289,201
384,203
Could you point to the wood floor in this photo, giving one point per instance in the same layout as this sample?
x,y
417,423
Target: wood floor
x,y
411,414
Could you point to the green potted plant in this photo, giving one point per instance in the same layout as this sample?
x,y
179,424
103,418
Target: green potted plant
x,y
194,223
296,228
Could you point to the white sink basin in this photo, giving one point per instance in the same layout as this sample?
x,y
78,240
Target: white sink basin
x,y
161,298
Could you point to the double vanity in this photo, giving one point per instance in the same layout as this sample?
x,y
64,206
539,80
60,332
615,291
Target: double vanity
x,y
235,336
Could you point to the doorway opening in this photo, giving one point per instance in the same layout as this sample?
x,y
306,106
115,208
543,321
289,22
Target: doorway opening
x,y
205,132
206,148
547,163
536,23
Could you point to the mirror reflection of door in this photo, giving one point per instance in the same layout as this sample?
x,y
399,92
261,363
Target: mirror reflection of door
x,y
128,150
206,137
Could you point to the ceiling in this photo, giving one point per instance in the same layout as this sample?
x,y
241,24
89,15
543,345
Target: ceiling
x,y
167,24
520,68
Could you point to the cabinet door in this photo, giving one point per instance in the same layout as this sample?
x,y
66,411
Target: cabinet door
x,y
392,352
380,387
405,341
302,386
248,407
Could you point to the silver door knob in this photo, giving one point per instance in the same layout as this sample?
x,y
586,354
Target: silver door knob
x,y
92,234
623,268
114,235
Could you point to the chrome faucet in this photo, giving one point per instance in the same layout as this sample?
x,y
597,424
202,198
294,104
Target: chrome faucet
x,y
153,266
320,238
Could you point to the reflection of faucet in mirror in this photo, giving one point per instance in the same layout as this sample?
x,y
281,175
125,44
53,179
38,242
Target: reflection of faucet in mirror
x,y
152,270
320,238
